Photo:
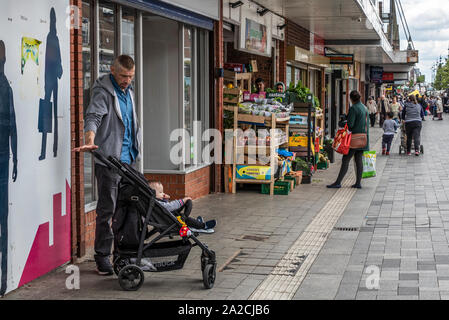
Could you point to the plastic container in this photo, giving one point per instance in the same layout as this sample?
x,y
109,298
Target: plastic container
x,y
280,188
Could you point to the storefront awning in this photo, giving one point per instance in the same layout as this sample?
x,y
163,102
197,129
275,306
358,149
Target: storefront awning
x,y
171,12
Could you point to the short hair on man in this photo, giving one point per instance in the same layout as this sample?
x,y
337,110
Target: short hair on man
x,y
259,80
125,62
355,96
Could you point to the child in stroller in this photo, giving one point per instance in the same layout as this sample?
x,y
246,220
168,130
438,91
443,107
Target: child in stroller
x,y
138,249
182,207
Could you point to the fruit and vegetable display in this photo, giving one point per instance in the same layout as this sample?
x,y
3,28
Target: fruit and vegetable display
x,y
265,108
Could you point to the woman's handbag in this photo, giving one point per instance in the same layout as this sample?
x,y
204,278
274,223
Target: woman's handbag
x,y
342,141
360,140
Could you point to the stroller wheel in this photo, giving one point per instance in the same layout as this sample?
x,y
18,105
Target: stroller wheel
x,y
131,278
119,264
422,149
209,276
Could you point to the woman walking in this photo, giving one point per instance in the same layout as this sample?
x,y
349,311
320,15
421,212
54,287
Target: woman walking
x,y
358,125
412,115
396,109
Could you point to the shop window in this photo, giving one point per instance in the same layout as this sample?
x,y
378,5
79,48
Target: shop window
x,y
105,49
289,76
189,112
87,36
175,77
128,43
106,21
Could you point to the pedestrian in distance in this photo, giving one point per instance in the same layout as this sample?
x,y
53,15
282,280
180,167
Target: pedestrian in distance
x,y
384,107
372,108
357,124
112,128
439,107
395,109
412,116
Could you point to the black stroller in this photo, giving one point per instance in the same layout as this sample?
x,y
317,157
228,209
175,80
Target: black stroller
x,y
133,241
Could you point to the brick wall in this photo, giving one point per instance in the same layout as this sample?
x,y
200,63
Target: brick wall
x,y
195,184
297,35
76,118
282,68
264,64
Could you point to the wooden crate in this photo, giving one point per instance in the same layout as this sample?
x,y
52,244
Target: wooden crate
x,y
231,96
243,81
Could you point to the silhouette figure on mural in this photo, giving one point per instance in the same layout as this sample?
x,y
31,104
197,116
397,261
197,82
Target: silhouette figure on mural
x,y
8,142
53,72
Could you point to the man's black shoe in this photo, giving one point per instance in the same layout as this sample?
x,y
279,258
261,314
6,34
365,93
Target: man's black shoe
x,y
104,267
334,186
357,186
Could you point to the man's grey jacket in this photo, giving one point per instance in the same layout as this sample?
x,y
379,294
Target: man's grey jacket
x,y
104,118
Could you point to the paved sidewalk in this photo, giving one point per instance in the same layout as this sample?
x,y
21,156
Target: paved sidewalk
x,y
254,233
401,248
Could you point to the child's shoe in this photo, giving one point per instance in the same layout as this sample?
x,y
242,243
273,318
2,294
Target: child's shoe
x,y
384,151
210,224
388,153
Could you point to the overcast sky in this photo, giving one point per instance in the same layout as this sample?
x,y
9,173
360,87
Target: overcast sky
x,y
428,21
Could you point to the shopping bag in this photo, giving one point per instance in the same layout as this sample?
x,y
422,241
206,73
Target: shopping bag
x,y
342,141
369,164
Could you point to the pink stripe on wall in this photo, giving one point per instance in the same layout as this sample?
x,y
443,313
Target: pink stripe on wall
x,y
42,257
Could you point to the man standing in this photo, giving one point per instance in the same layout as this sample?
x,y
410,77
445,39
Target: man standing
x,y
8,143
372,108
111,126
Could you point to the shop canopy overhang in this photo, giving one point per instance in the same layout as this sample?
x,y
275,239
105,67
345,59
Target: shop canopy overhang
x,y
348,26
198,13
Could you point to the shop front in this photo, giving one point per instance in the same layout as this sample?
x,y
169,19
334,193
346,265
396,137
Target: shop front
x,y
172,43
253,44
307,69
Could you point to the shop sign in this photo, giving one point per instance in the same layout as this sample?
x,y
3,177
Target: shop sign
x,y
300,55
316,44
376,74
255,37
412,56
281,97
340,58
388,77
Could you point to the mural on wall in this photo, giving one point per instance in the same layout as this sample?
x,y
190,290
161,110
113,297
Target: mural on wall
x,y
53,72
8,143
34,234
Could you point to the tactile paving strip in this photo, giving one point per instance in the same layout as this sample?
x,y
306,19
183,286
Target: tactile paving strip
x,y
287,276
